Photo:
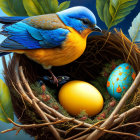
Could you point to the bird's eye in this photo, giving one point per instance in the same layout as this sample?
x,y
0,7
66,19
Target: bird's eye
x,y
85,21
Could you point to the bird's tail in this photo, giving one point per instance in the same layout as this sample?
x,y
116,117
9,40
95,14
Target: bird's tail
x,y
11,20
7,21
4,53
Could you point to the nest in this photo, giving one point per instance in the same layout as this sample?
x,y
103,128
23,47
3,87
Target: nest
x,y
44,122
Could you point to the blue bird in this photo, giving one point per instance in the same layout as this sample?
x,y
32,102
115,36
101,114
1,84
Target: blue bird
x,y
51,39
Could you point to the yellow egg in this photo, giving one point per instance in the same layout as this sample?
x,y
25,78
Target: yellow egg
x,y
77,96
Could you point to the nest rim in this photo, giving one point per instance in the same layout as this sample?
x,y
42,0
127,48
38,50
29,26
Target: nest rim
x,y
134,61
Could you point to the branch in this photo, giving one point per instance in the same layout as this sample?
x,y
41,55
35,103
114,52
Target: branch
x,y
125,114
4,64
82,137
69,130
79,134
54,132
19,86
19,127
127,124
43,116
29,126
8,130
104,130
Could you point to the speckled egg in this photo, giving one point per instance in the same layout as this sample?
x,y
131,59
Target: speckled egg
x,y
120,80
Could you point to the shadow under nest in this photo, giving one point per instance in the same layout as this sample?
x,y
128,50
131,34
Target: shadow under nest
x,y
100,50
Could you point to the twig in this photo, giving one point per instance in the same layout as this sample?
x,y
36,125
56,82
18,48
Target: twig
x,y
53,130
19,127
81,129
12,129
4,64
104,130
24,95
104,43
121,133
82,137
93,126
18,131
19,86
29,126
8,130
30,93
107,124
50,117
125,114
127,124
69,130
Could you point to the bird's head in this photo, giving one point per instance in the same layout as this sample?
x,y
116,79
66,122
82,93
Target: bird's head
x,y
80,18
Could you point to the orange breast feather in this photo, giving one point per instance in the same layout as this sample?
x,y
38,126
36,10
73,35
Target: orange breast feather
x,y
72,48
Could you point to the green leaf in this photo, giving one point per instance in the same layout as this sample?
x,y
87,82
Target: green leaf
x,y
107,16
64,5
134,30
53,4
119,9
13,7
100,8
6,109
33,7
128,3
45,6
113,12
117,21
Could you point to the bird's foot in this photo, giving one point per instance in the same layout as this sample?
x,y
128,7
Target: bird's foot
x,y
55,80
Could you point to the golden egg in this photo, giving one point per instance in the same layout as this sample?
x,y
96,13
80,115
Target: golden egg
x,y
77,96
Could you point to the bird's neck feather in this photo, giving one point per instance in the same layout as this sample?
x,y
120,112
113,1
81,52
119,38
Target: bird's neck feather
x,y
71,22
86,32
83,33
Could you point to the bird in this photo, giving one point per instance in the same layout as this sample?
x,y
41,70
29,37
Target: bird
x,y
54,39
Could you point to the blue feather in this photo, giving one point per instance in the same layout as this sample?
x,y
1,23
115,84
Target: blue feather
x,y
26,41
7,20
18,33
9,44
54,37
28,37
4,53
72,17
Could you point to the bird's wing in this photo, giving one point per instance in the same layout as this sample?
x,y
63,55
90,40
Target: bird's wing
x,y
47,22
24,35
11,20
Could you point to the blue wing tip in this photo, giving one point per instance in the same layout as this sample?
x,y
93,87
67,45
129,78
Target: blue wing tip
x,y
4,53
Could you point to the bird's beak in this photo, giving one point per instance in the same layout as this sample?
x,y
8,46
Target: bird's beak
x,y
97,29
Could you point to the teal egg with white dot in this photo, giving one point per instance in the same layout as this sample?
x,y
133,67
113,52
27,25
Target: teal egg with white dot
x,y
120,80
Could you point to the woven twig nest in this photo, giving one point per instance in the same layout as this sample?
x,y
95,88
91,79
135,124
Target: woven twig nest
x,y
44,122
